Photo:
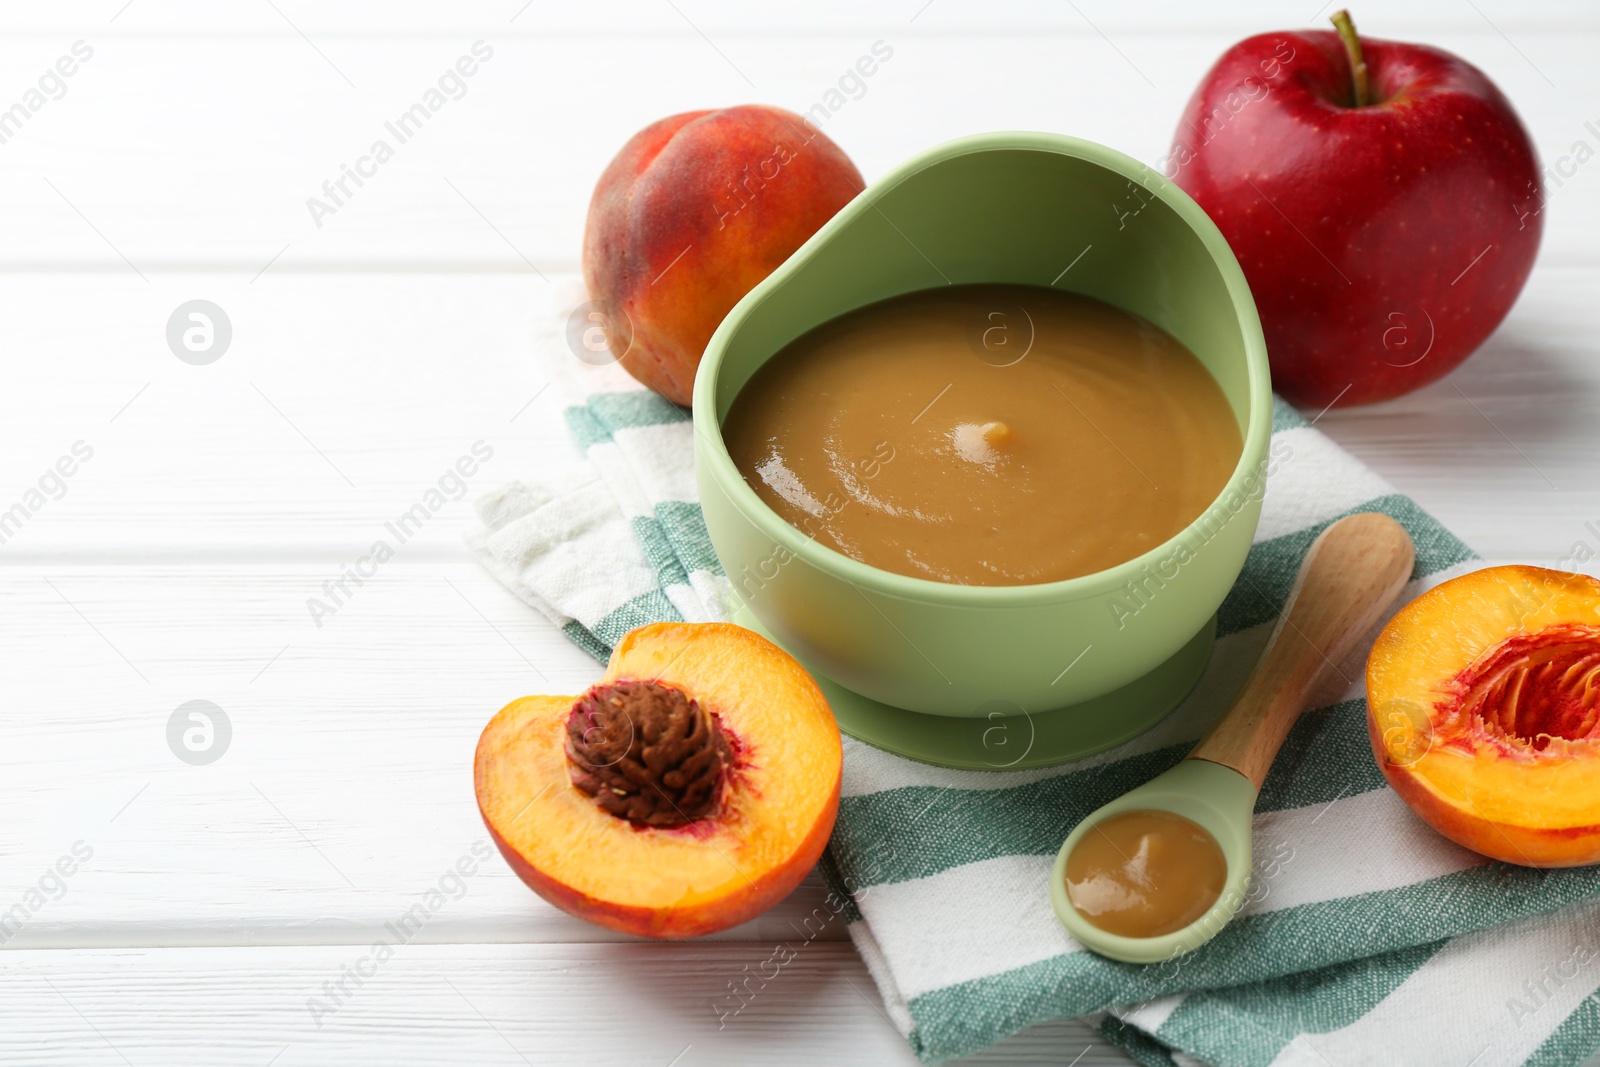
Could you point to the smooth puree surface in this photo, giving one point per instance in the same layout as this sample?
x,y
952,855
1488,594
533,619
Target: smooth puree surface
x,y
1145,873
986,435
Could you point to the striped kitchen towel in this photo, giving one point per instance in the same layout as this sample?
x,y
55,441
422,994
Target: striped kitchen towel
x,y
1366,938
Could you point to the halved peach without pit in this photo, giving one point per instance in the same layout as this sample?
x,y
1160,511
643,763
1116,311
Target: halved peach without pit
x,y
1483,699
689,790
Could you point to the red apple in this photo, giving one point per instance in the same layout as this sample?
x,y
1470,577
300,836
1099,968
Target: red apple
x,y
1383,199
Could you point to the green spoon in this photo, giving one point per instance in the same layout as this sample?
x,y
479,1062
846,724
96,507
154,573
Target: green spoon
x,y
1351,574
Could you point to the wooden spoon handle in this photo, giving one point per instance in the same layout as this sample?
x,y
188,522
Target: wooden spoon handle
x,y
1350,575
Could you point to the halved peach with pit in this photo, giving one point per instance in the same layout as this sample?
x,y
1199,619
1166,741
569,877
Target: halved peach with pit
x,y
1483,700
689,790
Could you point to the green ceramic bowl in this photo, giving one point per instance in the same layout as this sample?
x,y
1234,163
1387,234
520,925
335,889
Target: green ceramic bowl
x,y
1006,207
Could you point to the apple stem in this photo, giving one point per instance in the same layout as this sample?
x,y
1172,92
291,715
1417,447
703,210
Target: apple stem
x,y
1358,64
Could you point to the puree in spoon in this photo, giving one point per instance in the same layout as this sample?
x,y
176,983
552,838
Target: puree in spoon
x,y
1145,873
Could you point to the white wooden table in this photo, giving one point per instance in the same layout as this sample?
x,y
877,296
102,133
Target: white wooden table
x,y
371,351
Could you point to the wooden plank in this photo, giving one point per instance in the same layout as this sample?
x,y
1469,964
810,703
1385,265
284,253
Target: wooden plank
x,y
600,1005
340,403
343,794
388,380
620,18
1497,450
131,170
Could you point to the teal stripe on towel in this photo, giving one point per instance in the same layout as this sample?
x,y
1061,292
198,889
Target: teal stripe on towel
x,y
882,837
877,840
656,541
1573,1041
648,607
624,411
1285,417
585,428
878,837
1326,757
1269,570
685,527
579,635
1409,917
1318,1002
598,420
840,886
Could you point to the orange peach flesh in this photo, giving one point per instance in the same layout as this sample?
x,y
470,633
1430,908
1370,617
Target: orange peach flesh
x,y
775,814
1484,713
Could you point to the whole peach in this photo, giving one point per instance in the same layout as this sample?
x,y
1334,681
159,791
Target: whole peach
x,y
691,214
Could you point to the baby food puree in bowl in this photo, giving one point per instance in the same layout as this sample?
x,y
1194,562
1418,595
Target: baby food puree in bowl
x,y
993,440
